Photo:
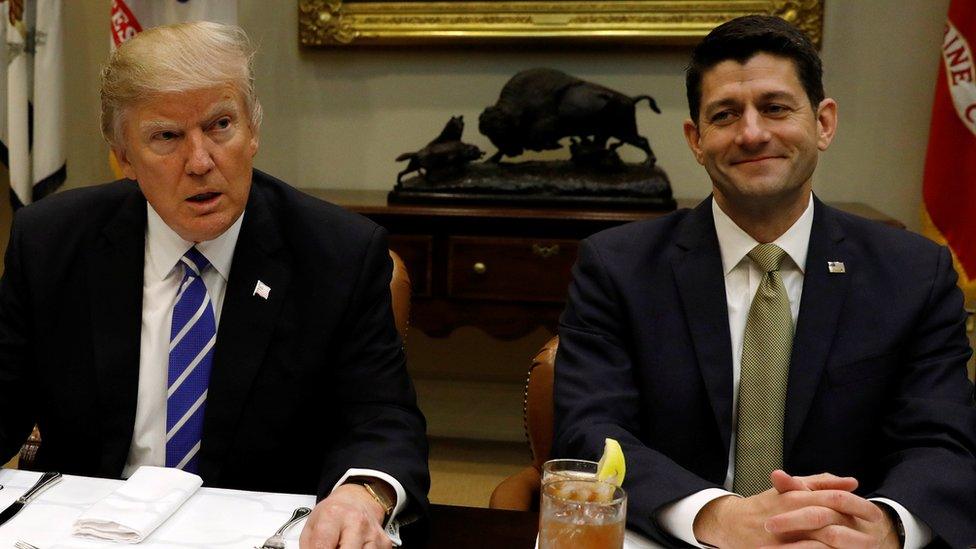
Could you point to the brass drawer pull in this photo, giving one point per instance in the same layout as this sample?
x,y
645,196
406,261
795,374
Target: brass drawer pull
x,y
479,268
545,252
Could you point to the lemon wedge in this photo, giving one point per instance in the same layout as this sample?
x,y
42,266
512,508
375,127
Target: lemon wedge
x,y
612,466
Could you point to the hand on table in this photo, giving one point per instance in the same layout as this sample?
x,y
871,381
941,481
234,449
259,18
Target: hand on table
x,y
348,519
814,511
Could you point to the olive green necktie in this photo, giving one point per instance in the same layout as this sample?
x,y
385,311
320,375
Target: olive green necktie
x,y
766,349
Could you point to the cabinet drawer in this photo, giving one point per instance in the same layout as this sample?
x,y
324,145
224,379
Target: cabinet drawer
x,y
505,269
415,251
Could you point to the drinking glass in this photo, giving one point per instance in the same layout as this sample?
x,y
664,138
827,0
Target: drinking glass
x,y
568,469
582,514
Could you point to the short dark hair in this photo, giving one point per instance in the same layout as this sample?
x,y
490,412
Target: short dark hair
x,y
742,38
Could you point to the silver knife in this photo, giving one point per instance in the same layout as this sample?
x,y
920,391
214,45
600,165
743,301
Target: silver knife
x,y
46,481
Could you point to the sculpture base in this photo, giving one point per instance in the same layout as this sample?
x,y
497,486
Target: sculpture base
x,y
544,183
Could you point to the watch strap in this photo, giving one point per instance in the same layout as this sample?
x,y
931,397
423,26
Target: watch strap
x,y
378,495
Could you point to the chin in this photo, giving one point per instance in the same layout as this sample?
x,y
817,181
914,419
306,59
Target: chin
x,y
198,234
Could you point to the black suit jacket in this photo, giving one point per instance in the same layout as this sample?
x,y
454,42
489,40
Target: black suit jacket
x,y
305,384
877,384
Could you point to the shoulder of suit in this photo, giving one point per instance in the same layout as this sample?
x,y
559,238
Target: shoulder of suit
x,y
639,234
302,211
873,232
83,204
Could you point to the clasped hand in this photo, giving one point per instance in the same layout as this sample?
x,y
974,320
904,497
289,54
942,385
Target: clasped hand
x,y
797,513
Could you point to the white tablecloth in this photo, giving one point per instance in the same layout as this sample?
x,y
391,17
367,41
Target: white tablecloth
x,y
213,517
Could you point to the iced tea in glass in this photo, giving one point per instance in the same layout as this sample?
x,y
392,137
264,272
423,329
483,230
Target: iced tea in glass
x,y
582,514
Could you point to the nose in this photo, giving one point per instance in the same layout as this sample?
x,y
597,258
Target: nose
x,y
752,130
199,160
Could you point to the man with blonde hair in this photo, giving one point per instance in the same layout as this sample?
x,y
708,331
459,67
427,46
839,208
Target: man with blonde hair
x,y
201,314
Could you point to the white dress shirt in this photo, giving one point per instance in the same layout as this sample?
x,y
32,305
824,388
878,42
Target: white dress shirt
x,y
742,278
162,275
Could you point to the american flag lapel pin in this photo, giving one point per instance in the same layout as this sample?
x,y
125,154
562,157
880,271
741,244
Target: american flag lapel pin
x,y
836,267
262,290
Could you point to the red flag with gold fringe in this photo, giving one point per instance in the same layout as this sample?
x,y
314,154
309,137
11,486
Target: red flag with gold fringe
x,y
949,190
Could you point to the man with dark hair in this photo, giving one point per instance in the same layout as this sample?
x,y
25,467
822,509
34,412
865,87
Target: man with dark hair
x,y
749,416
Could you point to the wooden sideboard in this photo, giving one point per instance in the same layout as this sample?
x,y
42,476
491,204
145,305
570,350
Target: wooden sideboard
x,y
503,269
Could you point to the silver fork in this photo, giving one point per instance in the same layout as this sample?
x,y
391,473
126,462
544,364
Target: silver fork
x,y
25,545
277,541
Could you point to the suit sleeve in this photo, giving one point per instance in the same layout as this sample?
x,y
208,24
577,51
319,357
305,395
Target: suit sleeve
x,y
596,396
16,419
930,427
383,428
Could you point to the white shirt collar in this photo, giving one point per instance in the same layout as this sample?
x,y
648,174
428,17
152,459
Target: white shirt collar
x,y
735,243
165,247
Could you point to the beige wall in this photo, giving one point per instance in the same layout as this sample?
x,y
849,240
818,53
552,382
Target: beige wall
x,y
338,118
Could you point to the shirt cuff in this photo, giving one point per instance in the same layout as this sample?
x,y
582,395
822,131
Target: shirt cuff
x,y
917,533
392,526
678,518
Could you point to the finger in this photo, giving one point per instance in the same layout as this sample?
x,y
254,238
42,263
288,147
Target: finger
x,y
356,532
319,533
380,541
351,538
784,482
805,519
842,536
838,500
827,481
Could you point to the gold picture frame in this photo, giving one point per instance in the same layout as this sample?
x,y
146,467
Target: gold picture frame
x,y
674,22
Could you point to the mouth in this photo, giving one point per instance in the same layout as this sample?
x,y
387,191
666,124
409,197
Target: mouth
x,y
753,160
203,198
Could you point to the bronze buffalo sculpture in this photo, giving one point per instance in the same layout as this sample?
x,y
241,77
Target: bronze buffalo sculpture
x,y
539,107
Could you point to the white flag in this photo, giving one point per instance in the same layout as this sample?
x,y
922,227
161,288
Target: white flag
x,y
32,91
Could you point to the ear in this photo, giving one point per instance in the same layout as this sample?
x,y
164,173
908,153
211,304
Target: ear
x,y
693,137
252,145
252,140
127,169
826,123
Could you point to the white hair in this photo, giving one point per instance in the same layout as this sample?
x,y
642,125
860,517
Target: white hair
x,y
175,59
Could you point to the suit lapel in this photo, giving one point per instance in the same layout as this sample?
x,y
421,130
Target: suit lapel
x,y
115,273
699,276
246,324
820,305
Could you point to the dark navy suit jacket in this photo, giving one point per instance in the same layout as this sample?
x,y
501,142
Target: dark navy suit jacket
x,y
877,384
305,384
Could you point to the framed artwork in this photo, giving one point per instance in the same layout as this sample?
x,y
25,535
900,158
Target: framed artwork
x,y
410,22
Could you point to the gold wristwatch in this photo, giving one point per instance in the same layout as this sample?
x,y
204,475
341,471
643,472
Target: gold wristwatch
x,y
377,494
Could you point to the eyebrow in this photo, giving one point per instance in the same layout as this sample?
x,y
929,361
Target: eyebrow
x,y
219,108
225,106
153,126
777,95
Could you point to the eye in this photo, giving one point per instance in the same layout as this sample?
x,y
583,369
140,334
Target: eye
x,y
221,123
776,110
164,136
722,117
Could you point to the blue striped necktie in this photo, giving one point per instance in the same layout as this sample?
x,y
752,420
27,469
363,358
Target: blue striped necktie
x,y
192,338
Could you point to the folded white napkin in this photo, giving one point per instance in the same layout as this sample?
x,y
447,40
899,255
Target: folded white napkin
x,y
139,506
